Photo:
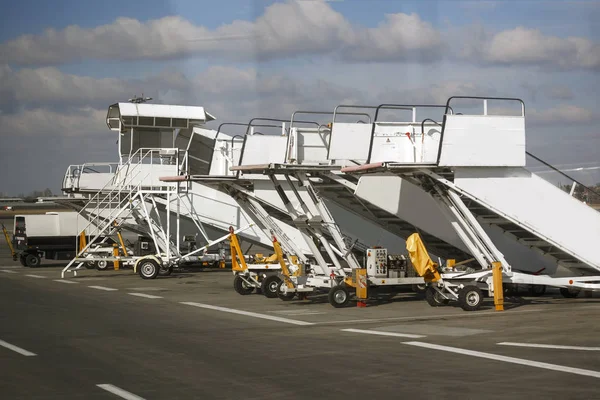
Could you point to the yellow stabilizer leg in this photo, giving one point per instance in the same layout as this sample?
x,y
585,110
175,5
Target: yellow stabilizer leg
x,y
497,280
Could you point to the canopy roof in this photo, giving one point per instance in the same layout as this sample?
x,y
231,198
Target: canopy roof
x,y
135,115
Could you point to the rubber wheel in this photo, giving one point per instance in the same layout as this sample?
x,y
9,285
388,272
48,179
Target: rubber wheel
x,y
101,265
148,269
569,293
22,261
537,290
434,299
419,289
284,296
241,287
166,272
32,260
338,296
269,286
470,298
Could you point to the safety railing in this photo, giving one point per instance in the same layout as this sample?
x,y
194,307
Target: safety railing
x,y
249,132
171,161
75,172
564,178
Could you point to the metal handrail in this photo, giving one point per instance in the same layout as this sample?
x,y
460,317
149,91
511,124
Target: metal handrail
x,y
412,107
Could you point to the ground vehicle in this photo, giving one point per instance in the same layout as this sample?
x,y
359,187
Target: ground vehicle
x,y
53,236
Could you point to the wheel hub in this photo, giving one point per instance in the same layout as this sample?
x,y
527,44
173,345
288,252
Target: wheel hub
x,y
339,296
472,298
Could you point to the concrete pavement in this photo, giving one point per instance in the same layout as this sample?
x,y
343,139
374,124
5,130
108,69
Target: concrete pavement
x,y
190,336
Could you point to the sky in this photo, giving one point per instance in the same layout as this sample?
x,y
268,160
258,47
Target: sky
x,y
62,63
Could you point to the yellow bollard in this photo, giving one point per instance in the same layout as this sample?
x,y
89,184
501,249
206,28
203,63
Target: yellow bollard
x,y
497,281
116,254
361,287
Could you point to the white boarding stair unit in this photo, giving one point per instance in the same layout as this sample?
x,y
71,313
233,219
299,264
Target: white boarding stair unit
x,y
310,151
313,219
478,176
254,207
111,210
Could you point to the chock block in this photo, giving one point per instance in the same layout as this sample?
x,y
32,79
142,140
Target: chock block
x,y
361,304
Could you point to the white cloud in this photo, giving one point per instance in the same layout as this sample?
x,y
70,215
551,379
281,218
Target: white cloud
x,y
284,30
524,46
48,125
562,115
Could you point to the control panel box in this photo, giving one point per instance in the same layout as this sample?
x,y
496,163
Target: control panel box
x,y
377,263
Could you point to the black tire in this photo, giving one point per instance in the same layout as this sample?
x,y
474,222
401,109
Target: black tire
x,y
241,287
148,268
269,286
22,260
101,265
166,272
537,290
470,298
32,260
339,296
569,293
420,288
434,299
284,296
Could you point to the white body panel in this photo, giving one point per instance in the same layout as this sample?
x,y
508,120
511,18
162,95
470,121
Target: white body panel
x,y
64,223
350,141
537,204
483,140
414,205
404,143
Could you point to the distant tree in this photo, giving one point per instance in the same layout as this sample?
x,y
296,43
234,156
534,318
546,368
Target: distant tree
x,y
47,193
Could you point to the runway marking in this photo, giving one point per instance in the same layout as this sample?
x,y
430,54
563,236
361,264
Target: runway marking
x,y
513,360
297,312
9,271
248,313
35,276
426,317
64,281
16,349
108,289
148,296
549,346
396,334
124,394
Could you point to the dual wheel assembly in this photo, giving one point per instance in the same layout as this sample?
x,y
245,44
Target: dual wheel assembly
x,y
470,298
271,286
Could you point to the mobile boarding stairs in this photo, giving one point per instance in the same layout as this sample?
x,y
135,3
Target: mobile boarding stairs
x,y
473,167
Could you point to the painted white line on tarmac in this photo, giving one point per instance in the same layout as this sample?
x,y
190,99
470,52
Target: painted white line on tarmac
x,y
248,313
124,394
9,271
64,281
108,289
381,333
512,360
16,349
549,346
36,276
427,317
148,296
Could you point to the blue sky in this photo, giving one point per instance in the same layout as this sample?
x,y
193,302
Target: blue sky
x,y
55,87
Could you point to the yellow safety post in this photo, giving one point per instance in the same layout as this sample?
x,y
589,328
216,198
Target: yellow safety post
x,y
82,241
116,254
361,287
497,280
236,252
122,243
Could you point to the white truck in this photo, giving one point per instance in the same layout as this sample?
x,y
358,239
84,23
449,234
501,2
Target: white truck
x,y
53,236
